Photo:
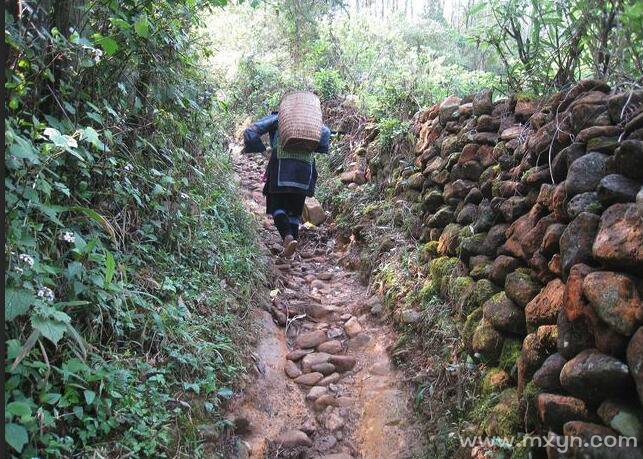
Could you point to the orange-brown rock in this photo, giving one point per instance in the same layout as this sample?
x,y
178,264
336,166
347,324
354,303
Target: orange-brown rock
x,y
544,308
555,410
619,242
615,299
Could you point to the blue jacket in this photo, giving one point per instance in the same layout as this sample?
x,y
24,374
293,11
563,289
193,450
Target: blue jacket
x,y
285,175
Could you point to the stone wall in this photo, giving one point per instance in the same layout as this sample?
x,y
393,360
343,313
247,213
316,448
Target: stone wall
x,y
532,225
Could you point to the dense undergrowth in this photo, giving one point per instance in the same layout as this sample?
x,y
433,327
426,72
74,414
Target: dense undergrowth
x,y
130,261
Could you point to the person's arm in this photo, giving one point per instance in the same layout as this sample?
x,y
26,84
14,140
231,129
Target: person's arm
x,y
252,136
324,140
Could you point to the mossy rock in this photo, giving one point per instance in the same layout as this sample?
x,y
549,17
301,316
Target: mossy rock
x,y
461,293
442,266
521,287
505,315
465,231
471,245
511,349
500,149
484,290
480,272
469,327
487,342
429,290
495,188
481,409
429,251
504,417
449,239
433,200
530,171
603,144
458,286
495,380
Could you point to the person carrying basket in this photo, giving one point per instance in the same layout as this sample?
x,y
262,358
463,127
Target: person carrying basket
x,y
296,133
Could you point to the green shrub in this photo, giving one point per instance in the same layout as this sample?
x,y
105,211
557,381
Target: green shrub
x,y
129,259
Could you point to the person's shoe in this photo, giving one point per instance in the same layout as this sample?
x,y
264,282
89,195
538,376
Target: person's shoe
x,y
290,245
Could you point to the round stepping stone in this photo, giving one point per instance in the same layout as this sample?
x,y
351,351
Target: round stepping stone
x,y
314,359
343,362
323,368
316,392
292,370
309,379
311,339
329,379
325,276
330,347
298,354
352,327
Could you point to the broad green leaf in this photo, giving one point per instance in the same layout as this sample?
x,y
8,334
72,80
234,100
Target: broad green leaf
x,y
19,409
120,23
16,436
24,149
90,395
109,45
142,27
73,269
60,316
90,135
16,302
110,267
51,329
50,398
60,140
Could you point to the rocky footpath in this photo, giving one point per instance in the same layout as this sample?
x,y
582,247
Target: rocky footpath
x,y
530,219
325,387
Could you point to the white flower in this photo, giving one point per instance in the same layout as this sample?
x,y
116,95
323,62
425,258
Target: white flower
x,y
128,167
183,196
26,259
68,236
19,270
46,293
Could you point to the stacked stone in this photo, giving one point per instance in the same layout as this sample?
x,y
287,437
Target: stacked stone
x,y
535,233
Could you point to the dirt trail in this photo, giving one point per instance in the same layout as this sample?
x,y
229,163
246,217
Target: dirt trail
x,y
325,386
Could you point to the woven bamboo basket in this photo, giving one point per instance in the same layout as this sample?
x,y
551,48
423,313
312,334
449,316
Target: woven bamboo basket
x,y
300,121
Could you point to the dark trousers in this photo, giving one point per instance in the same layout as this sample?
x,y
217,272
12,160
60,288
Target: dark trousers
x,y
286,210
